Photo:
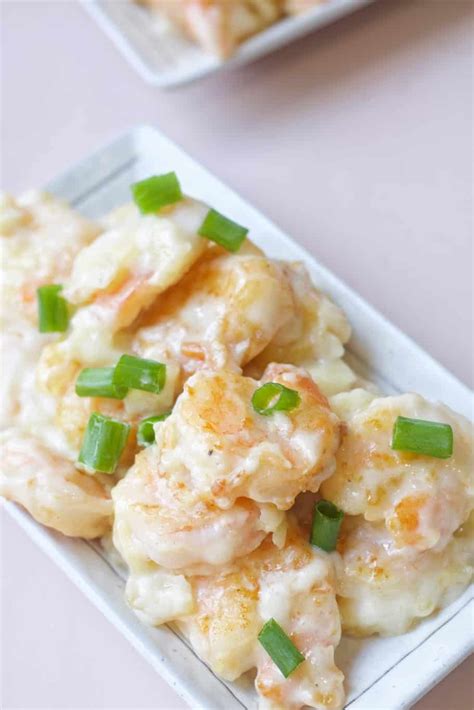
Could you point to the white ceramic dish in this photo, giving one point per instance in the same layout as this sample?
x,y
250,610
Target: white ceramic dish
x,y
381,674
165,59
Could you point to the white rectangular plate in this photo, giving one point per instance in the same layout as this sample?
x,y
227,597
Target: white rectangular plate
x,y
164,58
398,669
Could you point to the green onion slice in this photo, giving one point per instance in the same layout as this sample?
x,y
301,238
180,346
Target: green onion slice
x,y
136,373
327,519
274,397
422,437
103,443
156,192
98,382
223,231
280,648
53,316
146,432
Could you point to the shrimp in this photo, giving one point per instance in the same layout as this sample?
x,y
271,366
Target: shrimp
x,y
51,489
219,26
312,336
420,499
222,314
39,238
112,280
386,589
295,586
121,274
161,519
219,477
217,444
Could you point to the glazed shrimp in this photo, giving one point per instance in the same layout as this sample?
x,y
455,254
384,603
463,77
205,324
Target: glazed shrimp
x,y
313,336
122,272
217,443
384,588
421,500
158,518
222,314
112,280
295,586
39,238
217,479
51,489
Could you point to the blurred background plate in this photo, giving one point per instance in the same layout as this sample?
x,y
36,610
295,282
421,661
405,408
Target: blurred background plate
x,y
164,58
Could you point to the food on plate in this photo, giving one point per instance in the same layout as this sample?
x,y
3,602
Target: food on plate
x,y
52,489
220,26
213,484
313,336
171,383
407,545
220,315
294,584
420,498
39,238
385,589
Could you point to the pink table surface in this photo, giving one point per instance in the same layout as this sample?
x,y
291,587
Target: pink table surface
x,y
356,140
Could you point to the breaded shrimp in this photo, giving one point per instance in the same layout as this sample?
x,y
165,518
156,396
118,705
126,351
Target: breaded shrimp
x,y
51,489
421,500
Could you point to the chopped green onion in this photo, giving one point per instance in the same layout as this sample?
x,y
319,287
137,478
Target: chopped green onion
x,y
146,432
273,397
53,314
223,231
156,192
103,443
327,519
280,648
422,437
98,382
136,373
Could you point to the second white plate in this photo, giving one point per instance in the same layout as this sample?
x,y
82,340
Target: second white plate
x,y
164,58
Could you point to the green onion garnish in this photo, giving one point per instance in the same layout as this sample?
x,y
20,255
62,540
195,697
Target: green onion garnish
x,y
280,648
103,443
422,437
146,432
273,397
98,382
156,192
223,231
53,314
327,519
136,373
